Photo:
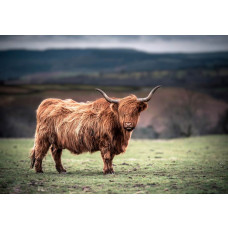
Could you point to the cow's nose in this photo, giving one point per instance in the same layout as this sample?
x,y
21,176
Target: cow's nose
x,y
128,124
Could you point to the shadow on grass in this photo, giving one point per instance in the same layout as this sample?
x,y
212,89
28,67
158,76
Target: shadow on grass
x,y
73,173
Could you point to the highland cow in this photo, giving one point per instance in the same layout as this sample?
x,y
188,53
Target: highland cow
x,y
103,125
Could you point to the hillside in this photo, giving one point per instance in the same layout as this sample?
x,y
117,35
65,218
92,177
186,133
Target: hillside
x,y
167,116
15,64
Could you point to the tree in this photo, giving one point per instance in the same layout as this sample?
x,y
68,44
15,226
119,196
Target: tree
x,y
183,115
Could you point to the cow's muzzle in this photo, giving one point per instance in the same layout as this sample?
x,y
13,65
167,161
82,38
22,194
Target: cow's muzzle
x,y
129,126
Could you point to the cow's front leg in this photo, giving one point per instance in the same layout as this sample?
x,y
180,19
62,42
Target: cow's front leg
x,y
107,159
110,164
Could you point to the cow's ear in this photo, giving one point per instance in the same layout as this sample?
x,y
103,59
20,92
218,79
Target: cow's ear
x,y
142,106
114,107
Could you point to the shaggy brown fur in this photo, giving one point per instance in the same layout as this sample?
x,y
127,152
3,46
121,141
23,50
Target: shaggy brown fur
x,y
82,127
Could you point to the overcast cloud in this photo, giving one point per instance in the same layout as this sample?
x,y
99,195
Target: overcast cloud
x,y
152,44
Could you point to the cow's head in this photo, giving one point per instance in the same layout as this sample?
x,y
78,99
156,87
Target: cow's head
x,y
128,108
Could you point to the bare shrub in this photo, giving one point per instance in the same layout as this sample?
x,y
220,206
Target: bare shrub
x,y
184,116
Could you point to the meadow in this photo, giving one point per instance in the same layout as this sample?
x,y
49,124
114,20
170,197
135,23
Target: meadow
x,y
186,165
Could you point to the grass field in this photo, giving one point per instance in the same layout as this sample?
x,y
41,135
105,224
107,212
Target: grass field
x,y
192,165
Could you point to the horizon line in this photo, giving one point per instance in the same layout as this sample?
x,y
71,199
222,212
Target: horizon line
x,y
111,48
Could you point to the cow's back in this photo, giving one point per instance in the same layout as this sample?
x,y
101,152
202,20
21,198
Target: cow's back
x,y
49,108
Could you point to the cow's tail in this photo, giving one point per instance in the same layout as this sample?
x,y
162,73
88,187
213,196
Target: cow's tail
x,y
32,157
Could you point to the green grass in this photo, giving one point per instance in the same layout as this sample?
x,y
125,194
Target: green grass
x,y
192,165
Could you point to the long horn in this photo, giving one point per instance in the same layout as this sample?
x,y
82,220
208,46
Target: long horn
x,y
146,99
107,97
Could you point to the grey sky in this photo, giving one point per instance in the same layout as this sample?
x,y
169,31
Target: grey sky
x,y
157,44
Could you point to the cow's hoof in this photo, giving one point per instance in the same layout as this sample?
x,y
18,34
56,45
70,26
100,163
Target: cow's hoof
x,y
39,171
109,172
63,171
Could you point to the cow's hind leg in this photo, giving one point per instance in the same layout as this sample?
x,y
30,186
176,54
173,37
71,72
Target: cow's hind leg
x,y
41,148
32,157
56,154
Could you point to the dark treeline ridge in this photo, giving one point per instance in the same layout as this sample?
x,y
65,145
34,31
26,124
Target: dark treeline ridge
x,y
17,63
